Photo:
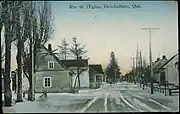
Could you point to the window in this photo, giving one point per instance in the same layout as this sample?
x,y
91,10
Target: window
x,y
47,82
98,78
50,65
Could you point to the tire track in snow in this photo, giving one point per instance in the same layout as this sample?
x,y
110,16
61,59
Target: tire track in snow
x,y
125,101
154,102
105,102
120,106
90,103
143,105
138,96
160,104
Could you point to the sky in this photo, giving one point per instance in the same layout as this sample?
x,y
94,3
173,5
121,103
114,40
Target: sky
x,y
117,29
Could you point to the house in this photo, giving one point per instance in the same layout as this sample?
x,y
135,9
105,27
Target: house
x,y
51,74
157,68
170,72
83,71
96,75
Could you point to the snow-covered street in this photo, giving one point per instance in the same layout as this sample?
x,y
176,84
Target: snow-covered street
x,y
121,97
124,97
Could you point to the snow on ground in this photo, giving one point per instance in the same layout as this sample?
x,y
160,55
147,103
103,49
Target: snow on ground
x,y
121,97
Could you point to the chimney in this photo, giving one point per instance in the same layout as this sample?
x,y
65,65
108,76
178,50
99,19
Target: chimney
x,y
49,47
163,57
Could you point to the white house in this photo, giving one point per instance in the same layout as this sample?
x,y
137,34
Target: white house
x,y
84,71
96,75
171,70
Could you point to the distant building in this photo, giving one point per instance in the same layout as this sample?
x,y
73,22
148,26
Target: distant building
x,y
96,75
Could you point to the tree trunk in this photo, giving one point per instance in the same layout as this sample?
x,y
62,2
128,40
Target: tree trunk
x,y
7,80
79,83
31,96
19,71
20,50
75,83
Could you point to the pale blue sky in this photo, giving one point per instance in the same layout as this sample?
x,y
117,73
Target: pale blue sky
x,y
118,29
106,30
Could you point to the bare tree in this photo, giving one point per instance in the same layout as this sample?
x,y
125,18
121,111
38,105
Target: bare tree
x,y
39,31
64,48
7,21
78,50
20,47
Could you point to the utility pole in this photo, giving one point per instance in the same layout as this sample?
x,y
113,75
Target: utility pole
x,y
150,54
133,58
137,61
141,68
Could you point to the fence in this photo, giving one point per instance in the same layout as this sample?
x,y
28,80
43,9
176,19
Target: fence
x,y
164,88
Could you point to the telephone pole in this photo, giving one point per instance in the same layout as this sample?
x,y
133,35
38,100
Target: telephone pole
x,y
149,29
137,62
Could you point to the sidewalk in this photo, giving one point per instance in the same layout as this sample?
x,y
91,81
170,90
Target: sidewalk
x,y
8,110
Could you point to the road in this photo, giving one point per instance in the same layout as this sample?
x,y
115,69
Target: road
x,y
129,98
121,97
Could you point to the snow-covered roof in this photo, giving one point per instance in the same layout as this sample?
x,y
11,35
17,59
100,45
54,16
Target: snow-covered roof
x,y
173,57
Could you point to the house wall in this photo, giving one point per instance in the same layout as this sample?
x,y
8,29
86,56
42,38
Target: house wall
x,y
59,79
156,66
25,84
94,83
171,71
84,78
43,64
157,76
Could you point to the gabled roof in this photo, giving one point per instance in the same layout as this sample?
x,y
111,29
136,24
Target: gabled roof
x,y
56,58
159,63
168,61
75,63
96,68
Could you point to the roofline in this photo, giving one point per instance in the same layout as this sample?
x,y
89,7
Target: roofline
x,y
168,61
56,58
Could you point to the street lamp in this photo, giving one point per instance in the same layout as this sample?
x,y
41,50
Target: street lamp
x,y
150,54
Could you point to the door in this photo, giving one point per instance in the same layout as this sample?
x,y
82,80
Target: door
x,y
162,77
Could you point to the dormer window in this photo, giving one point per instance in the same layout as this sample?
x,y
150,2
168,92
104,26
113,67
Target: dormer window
x,y
50,64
